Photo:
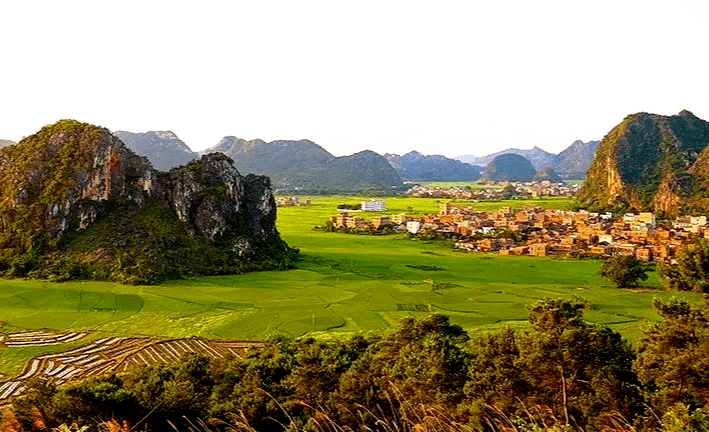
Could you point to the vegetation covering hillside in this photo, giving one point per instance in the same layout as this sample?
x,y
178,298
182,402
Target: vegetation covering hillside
x,y
305,167
547,173
76,203
537,157
415,166
649,162
508,167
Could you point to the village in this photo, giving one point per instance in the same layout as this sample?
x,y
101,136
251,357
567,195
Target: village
x,y
498,190
292,201
543,232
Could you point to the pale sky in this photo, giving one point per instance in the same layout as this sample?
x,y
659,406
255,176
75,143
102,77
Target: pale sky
x,y
443,77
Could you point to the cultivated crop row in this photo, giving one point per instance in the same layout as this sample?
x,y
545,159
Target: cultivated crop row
x,y
39,338
114,355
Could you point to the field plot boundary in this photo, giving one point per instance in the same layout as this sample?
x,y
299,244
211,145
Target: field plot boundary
x,y
39,338
106,355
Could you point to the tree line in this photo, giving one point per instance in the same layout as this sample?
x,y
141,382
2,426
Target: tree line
x,y
559,374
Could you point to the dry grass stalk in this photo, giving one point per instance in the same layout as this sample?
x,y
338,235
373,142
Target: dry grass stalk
x,y
9,422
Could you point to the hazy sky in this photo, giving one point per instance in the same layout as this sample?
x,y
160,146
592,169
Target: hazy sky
x,y
443,77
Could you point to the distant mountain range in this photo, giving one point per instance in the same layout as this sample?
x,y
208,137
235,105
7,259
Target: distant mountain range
x,y
415,166
293,166
163,148
538,157
4,143
571,163
574,161
305,167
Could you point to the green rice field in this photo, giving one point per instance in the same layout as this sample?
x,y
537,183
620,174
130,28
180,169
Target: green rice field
x,y
342,284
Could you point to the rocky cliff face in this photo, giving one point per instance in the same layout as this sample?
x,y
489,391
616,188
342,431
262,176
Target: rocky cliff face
x,y
647,162
70,177
213,199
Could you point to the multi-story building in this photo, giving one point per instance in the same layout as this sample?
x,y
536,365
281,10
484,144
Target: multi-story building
x,y
373,205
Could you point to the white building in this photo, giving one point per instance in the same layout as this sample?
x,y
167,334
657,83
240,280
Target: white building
x,y
605,238
413,227
373,205
698,220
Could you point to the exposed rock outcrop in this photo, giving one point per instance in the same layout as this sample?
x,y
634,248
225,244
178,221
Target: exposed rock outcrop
x,y
61,183
648,162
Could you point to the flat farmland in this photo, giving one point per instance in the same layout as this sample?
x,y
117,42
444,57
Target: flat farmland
x,y
342,284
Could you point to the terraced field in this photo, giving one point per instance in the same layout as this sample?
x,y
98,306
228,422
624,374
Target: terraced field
x,y
113,354
39,338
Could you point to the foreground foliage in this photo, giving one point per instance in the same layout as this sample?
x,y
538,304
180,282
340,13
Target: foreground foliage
x,y
564,374
691,270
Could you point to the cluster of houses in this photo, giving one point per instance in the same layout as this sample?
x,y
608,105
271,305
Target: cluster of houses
x,y
542,232
292,201
497,190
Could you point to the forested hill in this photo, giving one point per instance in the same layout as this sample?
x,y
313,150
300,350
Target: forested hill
x,y
651,162
508,167
539,158
416,166
305,167
571,163
77,203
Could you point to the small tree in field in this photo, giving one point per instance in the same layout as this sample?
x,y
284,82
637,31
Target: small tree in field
x,y
624,271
